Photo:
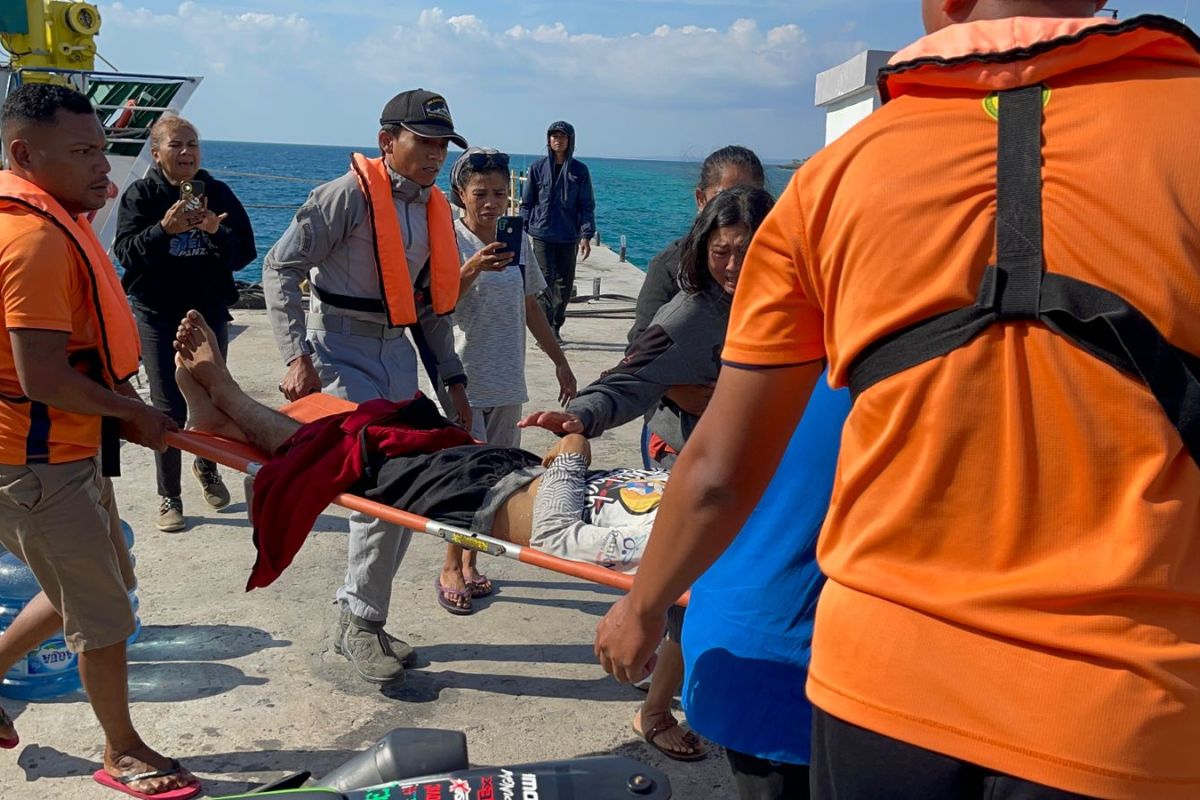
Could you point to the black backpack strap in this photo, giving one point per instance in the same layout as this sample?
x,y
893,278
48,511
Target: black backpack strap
x,y
1019,204
1113,330
1009,290
1018,288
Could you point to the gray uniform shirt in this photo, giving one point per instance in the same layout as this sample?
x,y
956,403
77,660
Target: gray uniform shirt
x,y
330,242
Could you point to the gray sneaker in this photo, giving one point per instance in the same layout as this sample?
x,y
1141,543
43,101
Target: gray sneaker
x,y
170,514
377,656
215,493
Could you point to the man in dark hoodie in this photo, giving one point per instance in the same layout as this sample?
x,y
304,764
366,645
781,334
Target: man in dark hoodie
x,y
559,211
179,251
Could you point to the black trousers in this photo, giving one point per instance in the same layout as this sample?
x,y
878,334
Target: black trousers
x,y
558,268
759,779
853,763
157,332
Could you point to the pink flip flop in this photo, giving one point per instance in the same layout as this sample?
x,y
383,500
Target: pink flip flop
x,y
8,744
121,784
480,587
444,594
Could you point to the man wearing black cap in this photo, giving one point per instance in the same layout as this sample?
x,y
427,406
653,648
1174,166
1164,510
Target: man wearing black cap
x,y
378,249
559,212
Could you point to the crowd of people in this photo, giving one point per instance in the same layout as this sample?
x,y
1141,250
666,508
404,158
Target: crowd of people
x,y
957,360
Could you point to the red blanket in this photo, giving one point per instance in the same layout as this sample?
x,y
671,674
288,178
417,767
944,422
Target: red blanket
x,y
327,457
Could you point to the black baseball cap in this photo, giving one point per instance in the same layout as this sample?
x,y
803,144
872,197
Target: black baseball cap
x,y
422,112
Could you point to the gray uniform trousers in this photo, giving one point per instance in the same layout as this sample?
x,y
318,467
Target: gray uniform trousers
x,y
361,368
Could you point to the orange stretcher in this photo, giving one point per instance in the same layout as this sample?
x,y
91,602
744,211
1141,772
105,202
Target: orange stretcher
x,y
247,459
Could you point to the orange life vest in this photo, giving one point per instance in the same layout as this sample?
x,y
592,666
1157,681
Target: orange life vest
x,y
399,303
116,331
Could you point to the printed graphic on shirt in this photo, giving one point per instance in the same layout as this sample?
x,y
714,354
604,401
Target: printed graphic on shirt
x,y
189,243
635,491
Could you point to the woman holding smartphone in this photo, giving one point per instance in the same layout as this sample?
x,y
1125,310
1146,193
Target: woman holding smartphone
x,y
497,303
181,234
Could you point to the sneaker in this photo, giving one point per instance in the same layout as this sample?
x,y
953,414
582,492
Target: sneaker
x,y
376,656
170,514
215,493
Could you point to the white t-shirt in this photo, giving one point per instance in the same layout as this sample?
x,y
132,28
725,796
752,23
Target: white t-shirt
x,y
489,326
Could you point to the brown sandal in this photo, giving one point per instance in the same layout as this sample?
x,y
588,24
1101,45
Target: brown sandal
x,y
668,722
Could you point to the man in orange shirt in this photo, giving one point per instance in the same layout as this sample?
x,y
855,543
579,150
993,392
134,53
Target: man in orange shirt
x,y
69,344
1002,265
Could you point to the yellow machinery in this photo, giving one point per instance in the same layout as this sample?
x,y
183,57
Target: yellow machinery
x,y
49,34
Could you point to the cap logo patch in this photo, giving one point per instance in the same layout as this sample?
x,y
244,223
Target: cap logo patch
x,y
436,107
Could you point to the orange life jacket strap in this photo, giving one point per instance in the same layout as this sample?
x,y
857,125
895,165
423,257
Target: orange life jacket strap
x,y
120,347
391,263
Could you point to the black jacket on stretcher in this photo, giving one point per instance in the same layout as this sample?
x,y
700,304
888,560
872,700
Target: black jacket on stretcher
x,y
169,274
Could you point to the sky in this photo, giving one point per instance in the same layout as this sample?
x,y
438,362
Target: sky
x,y
638,78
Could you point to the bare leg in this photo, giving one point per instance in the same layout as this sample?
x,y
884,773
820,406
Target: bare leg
x,y
666,680
36,623
454,589
105,678
199,356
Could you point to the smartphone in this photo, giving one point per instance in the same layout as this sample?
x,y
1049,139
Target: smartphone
x,y
509,233
192,192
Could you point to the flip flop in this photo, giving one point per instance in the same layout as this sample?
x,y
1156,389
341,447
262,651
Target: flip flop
x,y
481,586
691,739
7,721
121,784
443,595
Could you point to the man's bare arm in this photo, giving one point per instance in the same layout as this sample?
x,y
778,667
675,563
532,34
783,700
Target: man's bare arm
x,y
717,481
40,357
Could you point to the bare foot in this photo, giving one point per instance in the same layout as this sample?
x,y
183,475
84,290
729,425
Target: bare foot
x,y
196,345
143,759
203,416
672,739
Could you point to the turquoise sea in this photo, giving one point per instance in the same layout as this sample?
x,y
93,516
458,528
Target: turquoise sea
x,y
649,202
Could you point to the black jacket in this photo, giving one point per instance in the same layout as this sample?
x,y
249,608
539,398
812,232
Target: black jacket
x,y
170,274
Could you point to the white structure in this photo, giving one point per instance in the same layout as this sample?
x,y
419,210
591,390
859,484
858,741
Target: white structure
x,y
848,92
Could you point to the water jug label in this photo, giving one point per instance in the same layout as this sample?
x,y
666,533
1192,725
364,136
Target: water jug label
x,y
51,657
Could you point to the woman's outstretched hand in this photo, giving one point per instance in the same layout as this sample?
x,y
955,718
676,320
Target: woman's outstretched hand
x,y
560,422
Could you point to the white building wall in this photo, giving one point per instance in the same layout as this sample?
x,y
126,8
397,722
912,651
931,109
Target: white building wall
x,y
848,93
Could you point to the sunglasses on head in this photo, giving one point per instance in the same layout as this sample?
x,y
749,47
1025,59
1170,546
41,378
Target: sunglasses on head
x,y
488,160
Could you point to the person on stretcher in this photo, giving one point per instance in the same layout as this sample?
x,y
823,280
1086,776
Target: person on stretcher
x,y
554,504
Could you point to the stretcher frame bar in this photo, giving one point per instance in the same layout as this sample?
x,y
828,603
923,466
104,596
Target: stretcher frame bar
x,y
235,456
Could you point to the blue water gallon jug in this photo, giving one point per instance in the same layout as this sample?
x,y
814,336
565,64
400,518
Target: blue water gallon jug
x,y
51,670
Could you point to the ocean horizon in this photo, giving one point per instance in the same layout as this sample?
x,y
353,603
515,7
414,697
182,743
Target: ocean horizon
x,y
648,201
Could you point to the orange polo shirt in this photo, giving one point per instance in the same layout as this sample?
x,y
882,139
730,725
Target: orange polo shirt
x,y
41,287
1013,545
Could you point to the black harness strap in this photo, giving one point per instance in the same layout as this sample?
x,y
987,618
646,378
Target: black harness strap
x,y
1017,288
368,304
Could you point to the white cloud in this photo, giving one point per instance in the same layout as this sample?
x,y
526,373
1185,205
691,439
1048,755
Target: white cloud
x,y
212,39
275,74
687,63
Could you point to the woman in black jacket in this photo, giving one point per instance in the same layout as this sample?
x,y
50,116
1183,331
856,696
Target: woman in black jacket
x,y
179,250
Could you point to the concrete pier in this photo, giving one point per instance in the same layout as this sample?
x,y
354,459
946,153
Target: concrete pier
x,y
245,688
